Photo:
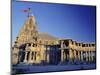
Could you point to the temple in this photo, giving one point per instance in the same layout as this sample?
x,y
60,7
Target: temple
x,y
33,47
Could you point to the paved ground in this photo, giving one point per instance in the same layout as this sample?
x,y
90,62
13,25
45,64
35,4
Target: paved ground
x,y
50,68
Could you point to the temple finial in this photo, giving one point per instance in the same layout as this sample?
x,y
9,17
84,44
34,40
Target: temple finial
x,y
30,12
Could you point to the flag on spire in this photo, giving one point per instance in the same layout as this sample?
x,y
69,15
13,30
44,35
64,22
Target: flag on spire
x,y
27,10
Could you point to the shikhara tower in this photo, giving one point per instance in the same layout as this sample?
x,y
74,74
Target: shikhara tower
x,y
28,33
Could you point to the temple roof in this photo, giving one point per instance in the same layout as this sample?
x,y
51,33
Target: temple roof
x,y
46,36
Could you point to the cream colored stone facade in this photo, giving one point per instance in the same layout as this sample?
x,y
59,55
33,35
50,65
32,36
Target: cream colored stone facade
x,y
78,50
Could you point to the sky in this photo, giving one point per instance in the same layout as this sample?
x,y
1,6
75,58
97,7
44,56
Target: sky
x,y
77,22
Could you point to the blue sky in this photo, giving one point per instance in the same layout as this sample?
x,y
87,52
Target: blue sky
x,y
61,20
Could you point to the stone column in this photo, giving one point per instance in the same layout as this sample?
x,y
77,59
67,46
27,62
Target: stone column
x,y
62,52
30,57
48,57
71,55
41,54
75,54
94,55
89,56
47,54
86,56
62,55
38,57
33,56
25,59
81,55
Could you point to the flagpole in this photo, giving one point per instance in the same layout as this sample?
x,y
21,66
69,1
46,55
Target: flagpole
x,y
28,11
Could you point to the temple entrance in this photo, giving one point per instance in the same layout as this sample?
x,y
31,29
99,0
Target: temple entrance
x,y
53,56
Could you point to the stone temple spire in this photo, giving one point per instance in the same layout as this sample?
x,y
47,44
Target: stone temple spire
x,y
28,33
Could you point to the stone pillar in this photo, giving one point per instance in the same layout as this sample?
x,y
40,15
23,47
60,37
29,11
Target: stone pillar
x,y
82,56
48,57
75,54
89,56
37,57
25,59
30,57
62,52
62,55
86,56
41,56
33,60
71,55
79,55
